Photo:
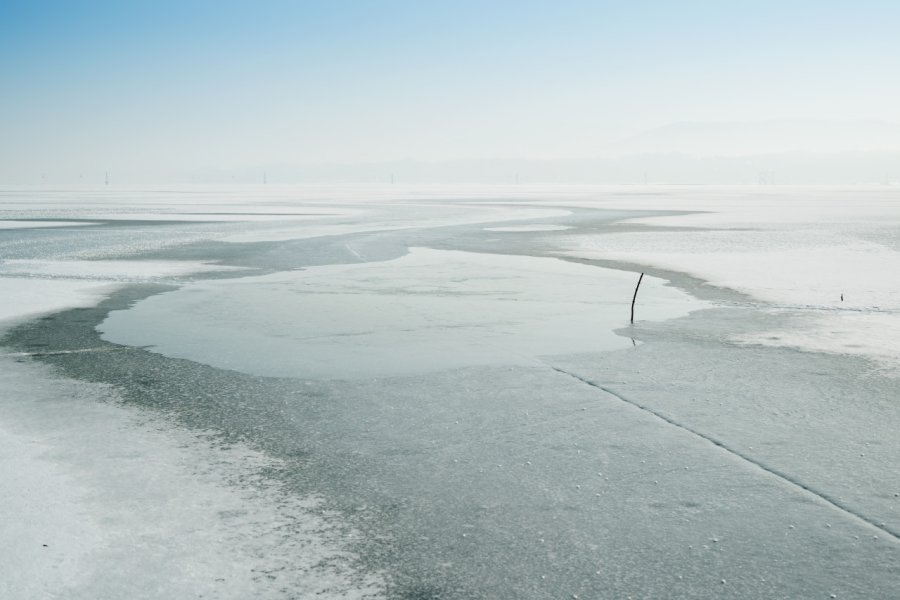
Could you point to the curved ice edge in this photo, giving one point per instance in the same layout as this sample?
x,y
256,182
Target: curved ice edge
x,y
109,498
866,332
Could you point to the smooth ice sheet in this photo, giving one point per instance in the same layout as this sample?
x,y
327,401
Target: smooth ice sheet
x,y
427,311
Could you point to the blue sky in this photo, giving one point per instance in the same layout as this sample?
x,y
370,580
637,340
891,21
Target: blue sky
x,y
177,85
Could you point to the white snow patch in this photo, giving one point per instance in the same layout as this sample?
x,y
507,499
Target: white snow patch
x,y
22,224
24,297
861,333
214,216
434,216
527,228
110,270
801,249
35,287
801,275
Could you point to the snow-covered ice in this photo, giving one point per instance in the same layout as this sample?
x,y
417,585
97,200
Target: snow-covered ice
x,y
527,228
102,502
23,224
27,296
433,216
107,270
435,392
828,254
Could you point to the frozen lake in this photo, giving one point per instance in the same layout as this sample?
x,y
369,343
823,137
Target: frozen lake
x,y
427,311
418,393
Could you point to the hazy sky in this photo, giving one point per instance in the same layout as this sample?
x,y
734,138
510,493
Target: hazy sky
x,y
88,86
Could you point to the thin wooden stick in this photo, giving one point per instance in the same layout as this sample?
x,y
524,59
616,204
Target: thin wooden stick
x,y
635,296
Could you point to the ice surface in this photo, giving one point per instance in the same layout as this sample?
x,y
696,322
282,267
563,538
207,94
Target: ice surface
x,y
469,417
824,252
213,216
431,216
526,228
796,268
22,224
24,297
427,311
101,502
873,335
34,287
109,270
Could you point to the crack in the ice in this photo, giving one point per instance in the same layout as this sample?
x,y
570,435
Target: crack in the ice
x,y
822,496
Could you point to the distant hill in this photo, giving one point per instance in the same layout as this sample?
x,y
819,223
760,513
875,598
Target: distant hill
x,y
836,168
766,152
712,139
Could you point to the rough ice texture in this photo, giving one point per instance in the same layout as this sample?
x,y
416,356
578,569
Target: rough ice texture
x,y
119,504
112,503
